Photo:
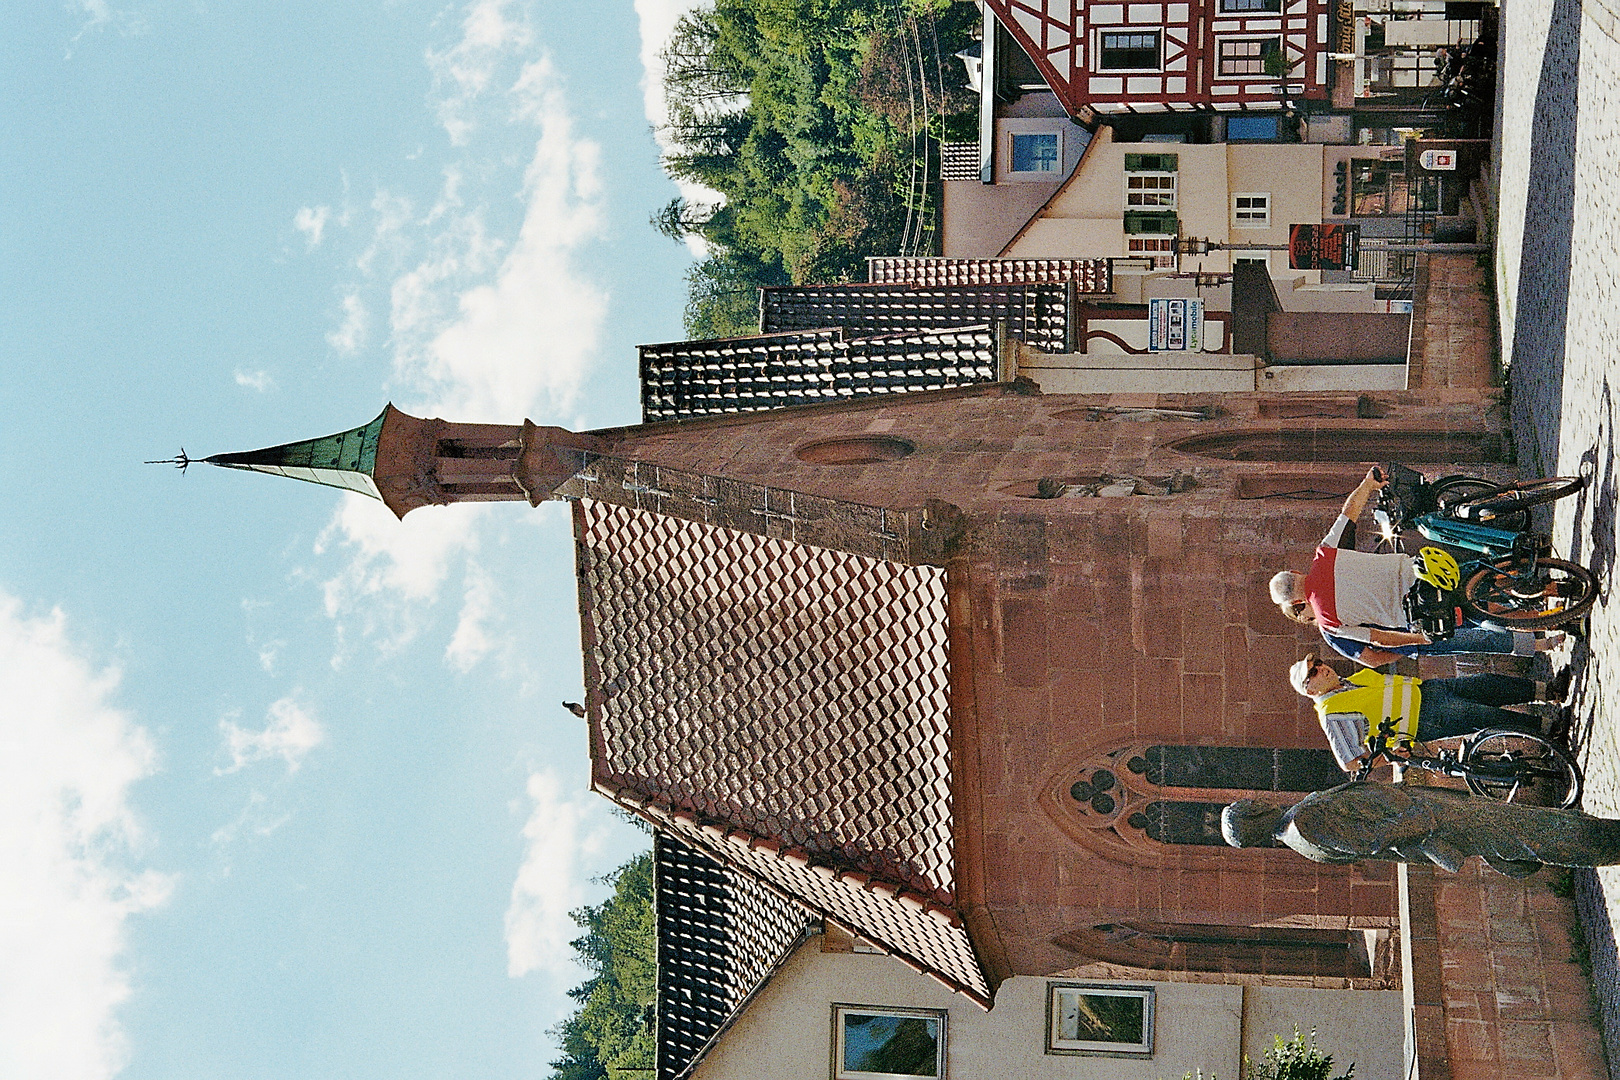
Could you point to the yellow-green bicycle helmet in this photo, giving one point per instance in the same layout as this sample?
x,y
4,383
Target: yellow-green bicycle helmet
x,y
1438,568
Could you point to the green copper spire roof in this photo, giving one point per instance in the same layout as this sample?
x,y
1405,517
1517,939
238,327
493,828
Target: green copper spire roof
x,y
345,460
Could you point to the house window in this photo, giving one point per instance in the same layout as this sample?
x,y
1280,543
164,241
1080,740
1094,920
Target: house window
x,y
1246,56
1251,210
1161,249
1102,1019
1251,129
1150,189
881,1043
1235,6
1038,153
1126,52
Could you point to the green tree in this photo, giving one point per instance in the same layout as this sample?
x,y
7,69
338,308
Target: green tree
x,y
809,118
722,298
611,1036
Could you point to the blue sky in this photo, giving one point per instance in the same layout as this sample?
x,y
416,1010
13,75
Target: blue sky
x,y
285,787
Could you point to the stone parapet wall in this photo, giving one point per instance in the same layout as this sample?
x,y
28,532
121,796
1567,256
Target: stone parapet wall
x,y
1515,1001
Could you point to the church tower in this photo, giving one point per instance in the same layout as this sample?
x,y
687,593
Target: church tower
x,y
407,462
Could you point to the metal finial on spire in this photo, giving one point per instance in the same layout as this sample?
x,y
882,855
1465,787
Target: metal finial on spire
x,y
178,462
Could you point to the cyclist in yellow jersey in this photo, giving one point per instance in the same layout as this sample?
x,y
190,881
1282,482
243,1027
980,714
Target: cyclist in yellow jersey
x,y
1352,709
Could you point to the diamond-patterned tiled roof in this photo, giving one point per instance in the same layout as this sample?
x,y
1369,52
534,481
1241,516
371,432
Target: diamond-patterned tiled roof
x,y
721,935
684,379
1086,275
785,709
1037,314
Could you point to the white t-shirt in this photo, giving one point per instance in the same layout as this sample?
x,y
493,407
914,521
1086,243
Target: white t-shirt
x,y
1353,592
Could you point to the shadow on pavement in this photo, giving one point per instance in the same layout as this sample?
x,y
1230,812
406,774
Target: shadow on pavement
x,y
1542,304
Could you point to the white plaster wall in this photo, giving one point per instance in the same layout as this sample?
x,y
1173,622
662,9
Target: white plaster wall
x,y
1290,172
1361,1026
1140,380
1154,373
786,1033
1351,377
1069,238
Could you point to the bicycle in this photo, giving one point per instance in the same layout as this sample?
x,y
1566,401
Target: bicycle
x,y
1517,584
1497,763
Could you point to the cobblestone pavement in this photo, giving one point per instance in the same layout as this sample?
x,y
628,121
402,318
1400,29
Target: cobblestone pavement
x,y
1557,269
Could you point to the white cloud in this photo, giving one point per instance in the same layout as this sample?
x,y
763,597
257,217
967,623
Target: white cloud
x,y
464,72
549,883
471,641
254,380
349,336
269,653
657,19
525,340
311,221
289,734
96,15
483,326
68,837
256,817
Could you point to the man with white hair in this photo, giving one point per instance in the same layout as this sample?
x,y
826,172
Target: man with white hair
x,y
1353,709
1356,599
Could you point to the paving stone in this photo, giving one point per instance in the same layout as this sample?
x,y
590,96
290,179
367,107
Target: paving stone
x,y
1557,278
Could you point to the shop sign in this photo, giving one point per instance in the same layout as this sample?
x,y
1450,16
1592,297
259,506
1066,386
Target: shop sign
x,y
1323,247
1175,325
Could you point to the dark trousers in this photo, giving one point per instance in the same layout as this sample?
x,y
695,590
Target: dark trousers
x,y
1468,703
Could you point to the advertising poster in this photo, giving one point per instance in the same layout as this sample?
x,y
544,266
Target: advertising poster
x,y
1175,325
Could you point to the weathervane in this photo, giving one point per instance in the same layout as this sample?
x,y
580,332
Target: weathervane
x,y
178,462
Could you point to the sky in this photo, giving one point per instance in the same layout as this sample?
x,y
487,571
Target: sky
x,y
286,789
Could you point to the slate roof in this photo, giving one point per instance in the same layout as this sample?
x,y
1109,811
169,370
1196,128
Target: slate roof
x,y
1086,275
685,379
721,935
785,710
1037,314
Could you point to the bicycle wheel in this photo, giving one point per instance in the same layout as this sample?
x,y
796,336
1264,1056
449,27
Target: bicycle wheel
x,y
1556,592
1515,767
1453,492
1515,498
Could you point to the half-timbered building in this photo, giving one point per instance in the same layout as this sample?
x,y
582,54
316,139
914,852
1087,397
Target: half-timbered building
x,y
1229,55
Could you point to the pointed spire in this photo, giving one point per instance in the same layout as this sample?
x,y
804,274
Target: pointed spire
x,y
346,460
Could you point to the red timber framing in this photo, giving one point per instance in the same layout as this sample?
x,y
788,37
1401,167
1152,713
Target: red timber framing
x,y
1171,57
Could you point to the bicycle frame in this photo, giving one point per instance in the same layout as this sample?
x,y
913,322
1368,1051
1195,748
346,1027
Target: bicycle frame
x,y
1488,541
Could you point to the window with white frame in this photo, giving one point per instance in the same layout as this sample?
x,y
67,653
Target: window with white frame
x,y
1144,189
1245,56
884,1043
1251,210
1104,1019
1036,152
1229,7
1161,249
1136,51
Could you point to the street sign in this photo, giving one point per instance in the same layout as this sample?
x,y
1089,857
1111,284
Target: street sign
x,y
1323,247
1175,325
1438,160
